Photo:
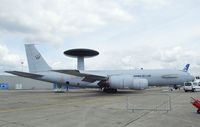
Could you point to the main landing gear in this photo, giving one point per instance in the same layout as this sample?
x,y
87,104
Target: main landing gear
x,y
60,88
109,90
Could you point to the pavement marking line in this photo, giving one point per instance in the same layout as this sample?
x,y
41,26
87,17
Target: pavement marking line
x,y
8,122
131,121
32,108
73,103
145,114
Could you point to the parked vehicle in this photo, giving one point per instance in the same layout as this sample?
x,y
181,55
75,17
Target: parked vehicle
x,y
192,86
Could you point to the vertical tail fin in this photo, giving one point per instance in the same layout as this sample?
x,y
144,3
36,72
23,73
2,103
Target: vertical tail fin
x,y
185,69
36,62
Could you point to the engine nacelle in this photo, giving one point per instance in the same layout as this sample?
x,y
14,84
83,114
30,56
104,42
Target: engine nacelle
x,y
127,82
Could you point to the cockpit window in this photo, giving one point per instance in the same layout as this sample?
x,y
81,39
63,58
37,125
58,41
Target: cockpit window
x,y
195,84
188,84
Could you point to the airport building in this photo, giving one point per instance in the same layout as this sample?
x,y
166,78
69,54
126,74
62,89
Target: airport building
x,y
16,82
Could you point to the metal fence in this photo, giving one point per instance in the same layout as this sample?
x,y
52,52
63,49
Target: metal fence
x,y
150,102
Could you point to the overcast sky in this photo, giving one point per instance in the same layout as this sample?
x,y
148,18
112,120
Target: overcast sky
x,y
128,34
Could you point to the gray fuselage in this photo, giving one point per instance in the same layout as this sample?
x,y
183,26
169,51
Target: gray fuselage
x,y
154,77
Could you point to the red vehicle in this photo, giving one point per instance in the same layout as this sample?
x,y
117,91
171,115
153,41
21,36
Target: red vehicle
x,y
196,103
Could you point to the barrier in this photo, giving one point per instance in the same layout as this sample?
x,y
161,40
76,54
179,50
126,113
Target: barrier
x,y
150,102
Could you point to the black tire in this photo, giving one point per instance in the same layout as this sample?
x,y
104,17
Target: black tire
x,y
109,90
185,90
198,111
193,89
115,90
175,87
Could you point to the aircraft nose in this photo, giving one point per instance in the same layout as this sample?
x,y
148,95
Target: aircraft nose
x,y
191,78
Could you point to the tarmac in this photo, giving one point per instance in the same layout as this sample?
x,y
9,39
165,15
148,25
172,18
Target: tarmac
x,y
156,107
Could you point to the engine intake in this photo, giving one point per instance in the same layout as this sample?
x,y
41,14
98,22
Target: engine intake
x,y
127,82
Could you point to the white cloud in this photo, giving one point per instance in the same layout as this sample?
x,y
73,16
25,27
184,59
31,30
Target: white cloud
x,y
170,55
52,21
147,57
128,33
9,60
149,4
156,4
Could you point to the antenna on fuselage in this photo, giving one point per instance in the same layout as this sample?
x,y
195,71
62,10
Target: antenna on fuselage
x,y
80,54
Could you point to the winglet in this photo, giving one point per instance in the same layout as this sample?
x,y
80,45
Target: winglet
x,y
185,69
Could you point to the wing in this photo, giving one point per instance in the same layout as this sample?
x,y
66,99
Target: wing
x,y
25,74
87,77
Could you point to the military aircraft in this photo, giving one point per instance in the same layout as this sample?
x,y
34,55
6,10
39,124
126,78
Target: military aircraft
x,y
107,80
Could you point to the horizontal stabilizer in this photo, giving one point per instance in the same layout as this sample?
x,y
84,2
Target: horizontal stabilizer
x,y
25,74
87,77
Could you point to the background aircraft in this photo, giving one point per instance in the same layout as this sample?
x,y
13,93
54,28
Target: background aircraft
x,y
107,80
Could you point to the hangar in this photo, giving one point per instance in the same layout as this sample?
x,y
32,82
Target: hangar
x,y
16,82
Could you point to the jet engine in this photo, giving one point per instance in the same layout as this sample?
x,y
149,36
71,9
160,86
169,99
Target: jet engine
x,y
127,82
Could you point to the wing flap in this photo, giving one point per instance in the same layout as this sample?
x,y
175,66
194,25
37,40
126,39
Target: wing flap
x,y
70,72
87,77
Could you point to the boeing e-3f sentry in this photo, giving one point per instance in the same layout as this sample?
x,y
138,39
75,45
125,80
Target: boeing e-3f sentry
x,y
108,81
